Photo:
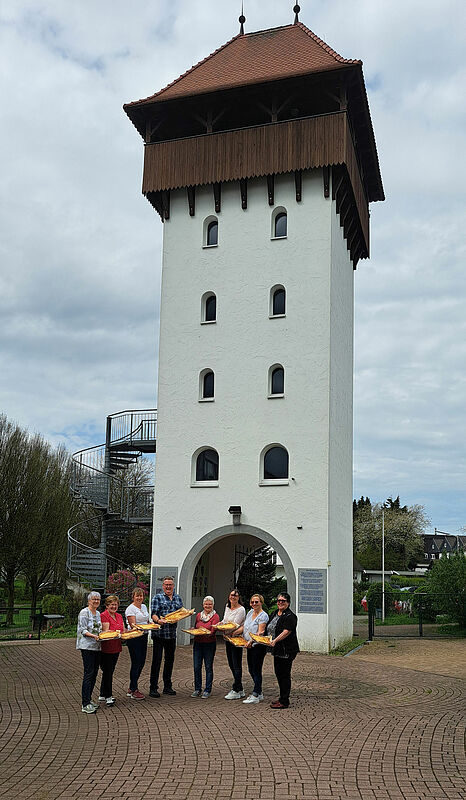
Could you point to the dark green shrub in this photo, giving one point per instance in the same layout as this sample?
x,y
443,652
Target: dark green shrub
x,y
446,584
53,604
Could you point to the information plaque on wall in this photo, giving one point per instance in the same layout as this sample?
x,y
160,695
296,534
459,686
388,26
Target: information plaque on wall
x,y
312,591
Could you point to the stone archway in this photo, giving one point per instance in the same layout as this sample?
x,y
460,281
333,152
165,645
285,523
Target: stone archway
x,y
230,534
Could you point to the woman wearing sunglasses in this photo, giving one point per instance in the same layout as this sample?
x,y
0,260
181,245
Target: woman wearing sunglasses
x,y
282,629
234,612
255,622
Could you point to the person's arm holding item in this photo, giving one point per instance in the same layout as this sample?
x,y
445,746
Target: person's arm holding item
x,y
290,622
280,637
155,611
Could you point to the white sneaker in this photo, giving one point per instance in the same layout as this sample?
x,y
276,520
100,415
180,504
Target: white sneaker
x,y
242,693
102,699
110,701
251,699
232,695
91,702
89,709
260,696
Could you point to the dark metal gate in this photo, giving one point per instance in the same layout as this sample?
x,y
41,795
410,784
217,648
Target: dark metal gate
x,y
20,624
412,616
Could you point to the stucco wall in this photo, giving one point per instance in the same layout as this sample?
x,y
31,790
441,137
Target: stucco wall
x,y
240,347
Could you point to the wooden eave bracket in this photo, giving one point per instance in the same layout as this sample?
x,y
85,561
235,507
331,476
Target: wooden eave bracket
x,y
298,181
345,207
326,177
191,192
243,183
166,203
217,188
151,127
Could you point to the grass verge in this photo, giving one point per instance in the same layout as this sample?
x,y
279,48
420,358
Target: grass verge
x,y
346,647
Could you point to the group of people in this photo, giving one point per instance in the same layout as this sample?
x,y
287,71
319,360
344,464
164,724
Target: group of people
x,y
281,627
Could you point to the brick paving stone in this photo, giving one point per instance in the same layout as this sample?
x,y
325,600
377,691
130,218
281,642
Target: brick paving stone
x,y
386,723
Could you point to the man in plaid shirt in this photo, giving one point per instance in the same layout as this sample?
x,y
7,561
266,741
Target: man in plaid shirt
x,y
164,639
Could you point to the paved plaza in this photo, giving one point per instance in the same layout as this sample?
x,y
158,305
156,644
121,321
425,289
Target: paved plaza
x,y
385,722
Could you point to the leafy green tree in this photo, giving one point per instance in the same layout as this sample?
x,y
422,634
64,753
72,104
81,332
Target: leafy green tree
x,y
53,511
36,511
404,527
13,510
446,583
257,574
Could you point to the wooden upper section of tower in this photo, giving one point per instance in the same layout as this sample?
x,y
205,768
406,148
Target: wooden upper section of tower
x,y
274,101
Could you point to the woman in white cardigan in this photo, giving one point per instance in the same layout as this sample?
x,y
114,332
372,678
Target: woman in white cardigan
x,y
89,627
234,612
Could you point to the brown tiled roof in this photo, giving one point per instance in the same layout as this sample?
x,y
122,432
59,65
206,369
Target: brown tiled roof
x,y
255,58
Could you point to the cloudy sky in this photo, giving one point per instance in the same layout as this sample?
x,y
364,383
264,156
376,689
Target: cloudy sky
x,y
80,247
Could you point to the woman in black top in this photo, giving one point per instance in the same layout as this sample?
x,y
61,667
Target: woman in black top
x,y
282,629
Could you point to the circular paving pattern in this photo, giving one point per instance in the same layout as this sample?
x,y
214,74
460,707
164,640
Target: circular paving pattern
x,y
356,730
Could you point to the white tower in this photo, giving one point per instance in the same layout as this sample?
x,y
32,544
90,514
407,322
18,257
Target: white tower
x,y
261,161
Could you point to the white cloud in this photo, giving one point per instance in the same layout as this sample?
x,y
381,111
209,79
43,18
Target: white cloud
x,y
80,247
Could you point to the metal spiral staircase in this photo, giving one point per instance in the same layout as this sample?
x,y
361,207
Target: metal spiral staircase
x,y
101,479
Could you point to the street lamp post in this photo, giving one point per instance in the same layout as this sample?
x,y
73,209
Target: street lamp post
x,y
383,565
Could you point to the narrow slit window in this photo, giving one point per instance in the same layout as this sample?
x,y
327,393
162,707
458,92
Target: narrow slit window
x,y
279,302
212,233
211,308
208,385
277,382
280,225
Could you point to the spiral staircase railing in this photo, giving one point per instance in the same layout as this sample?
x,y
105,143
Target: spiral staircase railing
x,y
98,480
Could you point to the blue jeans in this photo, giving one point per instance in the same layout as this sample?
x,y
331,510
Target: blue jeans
x,y
204,652
255,656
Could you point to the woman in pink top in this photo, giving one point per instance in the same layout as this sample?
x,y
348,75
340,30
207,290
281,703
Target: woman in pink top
x,y
109,649
204,648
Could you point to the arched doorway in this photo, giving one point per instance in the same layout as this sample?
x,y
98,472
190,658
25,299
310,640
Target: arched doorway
x,y
215,555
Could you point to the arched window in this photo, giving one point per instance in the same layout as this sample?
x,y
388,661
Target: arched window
x,y
206,466
275,464
276,381
209,307
212,233
279,223
277,301
206,385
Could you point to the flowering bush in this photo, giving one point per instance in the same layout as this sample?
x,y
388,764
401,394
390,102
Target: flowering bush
x,y
123,582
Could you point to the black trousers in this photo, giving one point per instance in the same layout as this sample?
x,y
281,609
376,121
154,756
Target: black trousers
x,y
107,665
137,652
235,662
282,667
91,661
161,647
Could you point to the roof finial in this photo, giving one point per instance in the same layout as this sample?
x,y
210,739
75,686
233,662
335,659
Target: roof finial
x,y
241,20
296,10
